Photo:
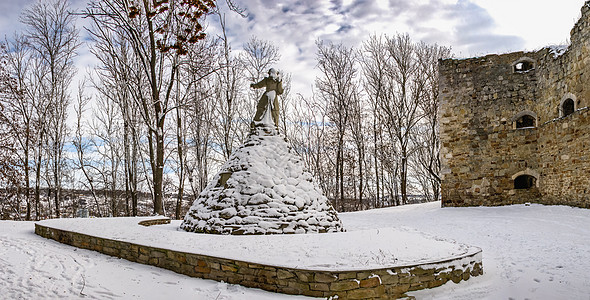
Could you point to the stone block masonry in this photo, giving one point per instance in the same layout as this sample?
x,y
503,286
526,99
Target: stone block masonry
x,y
386,283
515,127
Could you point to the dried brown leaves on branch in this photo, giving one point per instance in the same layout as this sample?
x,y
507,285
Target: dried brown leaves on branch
x,y
187,16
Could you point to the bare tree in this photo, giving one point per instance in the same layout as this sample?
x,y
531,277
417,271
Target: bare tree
x,y
401,81
83,146
308,135
357,129
106,131
118,79
169,28
285,107
200,124
180,146
427,140
231,108
338,87
258,57
20,112
400,104
373,61
40,110
53,37
193,116
11,131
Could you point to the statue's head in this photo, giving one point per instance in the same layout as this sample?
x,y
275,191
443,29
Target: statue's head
x,y
273,73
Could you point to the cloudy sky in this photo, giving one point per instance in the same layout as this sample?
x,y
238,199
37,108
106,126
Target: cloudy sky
x,y
469,27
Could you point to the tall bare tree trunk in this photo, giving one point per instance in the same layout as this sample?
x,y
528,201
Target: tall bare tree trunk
x,y
53,37
181,164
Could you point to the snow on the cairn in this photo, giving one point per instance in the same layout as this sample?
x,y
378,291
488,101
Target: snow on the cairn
x,y
266,191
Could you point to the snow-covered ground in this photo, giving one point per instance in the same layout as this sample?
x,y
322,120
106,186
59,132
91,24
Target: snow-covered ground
x,y
32,267
534,252
529,252
343,251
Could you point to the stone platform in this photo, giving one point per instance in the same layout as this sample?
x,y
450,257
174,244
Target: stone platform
x,y
388,277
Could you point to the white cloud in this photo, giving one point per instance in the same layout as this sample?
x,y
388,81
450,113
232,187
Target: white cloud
x,y
295,26
470,27
538,23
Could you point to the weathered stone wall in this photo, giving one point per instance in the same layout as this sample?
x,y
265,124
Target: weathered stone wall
x,y
568,73
387,283
565,160
480,149
482,152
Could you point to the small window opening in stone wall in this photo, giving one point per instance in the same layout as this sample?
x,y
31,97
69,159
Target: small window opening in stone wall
x,y
568,107
525,121
523,66
524,182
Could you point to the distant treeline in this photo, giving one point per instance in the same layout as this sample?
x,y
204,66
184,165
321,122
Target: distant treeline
x,y
167,104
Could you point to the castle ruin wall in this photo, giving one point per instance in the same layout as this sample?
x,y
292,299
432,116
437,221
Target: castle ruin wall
x,y
483,153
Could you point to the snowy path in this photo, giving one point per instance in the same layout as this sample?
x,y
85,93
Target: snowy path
x,y
529,252
32,267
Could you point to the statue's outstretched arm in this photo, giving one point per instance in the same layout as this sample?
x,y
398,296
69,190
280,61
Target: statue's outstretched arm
x,y
260,84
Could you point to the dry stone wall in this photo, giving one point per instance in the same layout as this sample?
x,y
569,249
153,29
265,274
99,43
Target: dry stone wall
x,y
565,160
387,283
263,188
483,152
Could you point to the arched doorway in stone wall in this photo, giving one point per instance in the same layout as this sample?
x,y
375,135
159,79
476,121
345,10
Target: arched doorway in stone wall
x,y
524,182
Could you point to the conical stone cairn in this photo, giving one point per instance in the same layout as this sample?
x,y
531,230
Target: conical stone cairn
x,y
262,189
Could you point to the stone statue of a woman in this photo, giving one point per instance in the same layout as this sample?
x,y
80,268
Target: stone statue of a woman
x,y
269,102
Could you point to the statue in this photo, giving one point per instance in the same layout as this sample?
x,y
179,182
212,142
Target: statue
x,y
263,187
269,102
